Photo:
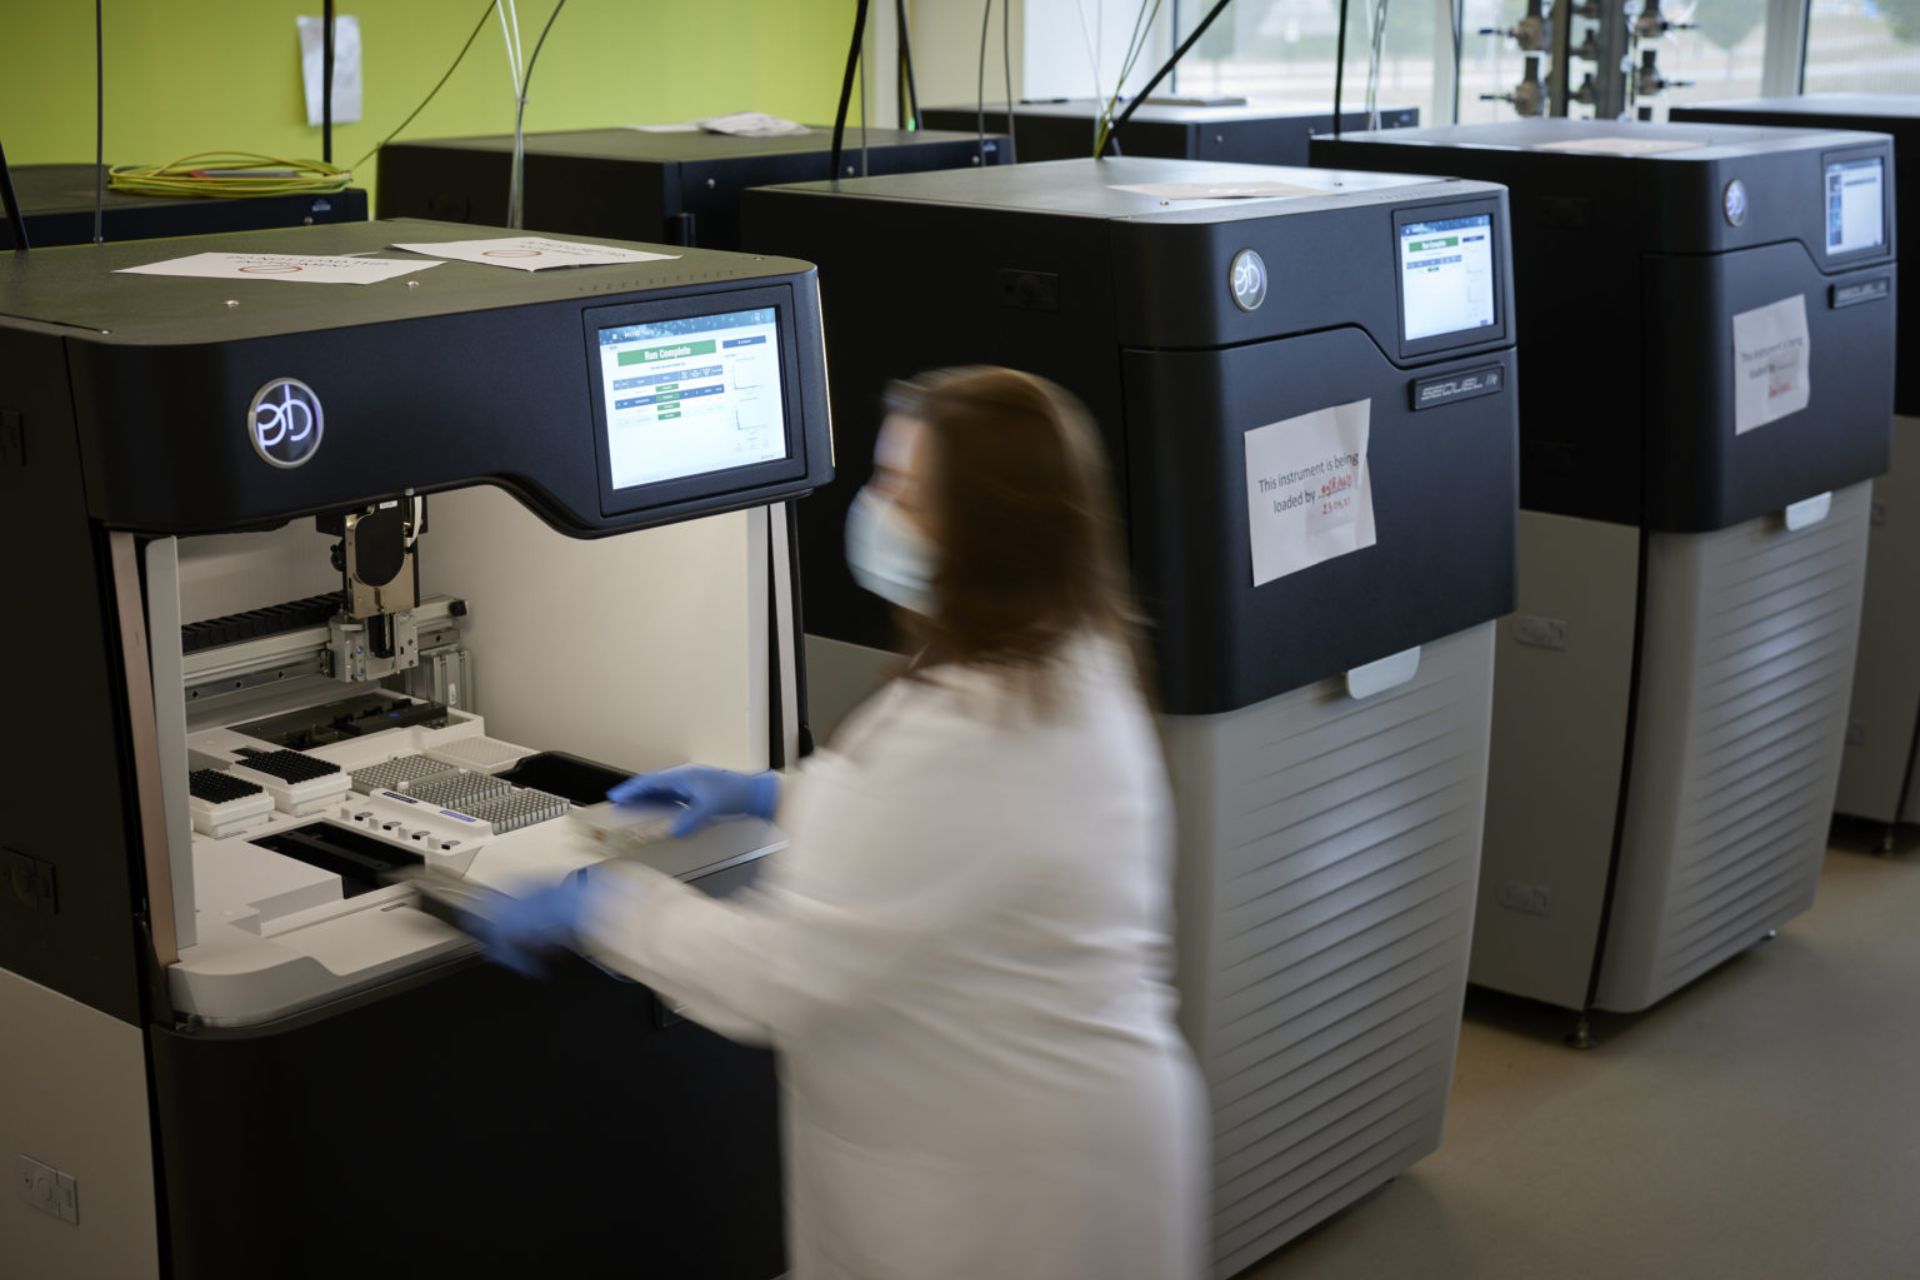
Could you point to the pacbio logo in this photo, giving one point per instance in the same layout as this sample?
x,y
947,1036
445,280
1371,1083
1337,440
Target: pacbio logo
x,y
285,423
1248,280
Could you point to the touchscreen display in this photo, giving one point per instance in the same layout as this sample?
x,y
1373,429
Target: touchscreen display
x,y
1446,276
1856,208
687,397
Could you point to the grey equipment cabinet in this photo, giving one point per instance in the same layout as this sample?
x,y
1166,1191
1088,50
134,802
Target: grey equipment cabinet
x,y
1710,379
1327,726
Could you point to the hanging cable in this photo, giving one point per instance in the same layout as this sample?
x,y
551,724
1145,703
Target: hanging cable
x,y
1006,70
516,190
1136,45
846,87
863,109
1456,10
911,118
1339,67
15,219
326,82
485,12
1377,23
980,84
99,128
1193,38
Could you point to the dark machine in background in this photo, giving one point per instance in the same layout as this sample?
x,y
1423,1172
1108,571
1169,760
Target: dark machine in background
x,y
247,1052
678,187
1710,378
1880,777
57,203
1326,713
1239,133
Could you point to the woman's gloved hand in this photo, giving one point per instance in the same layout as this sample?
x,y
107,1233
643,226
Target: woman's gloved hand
x,y
707,794
527,929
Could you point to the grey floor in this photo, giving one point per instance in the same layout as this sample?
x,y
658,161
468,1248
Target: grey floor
x,y
1763,1123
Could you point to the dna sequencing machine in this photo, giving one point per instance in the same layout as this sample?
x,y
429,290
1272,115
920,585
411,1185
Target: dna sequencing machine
x,y
1880,770
1225,128
1308,395
1711,363
677,184
322,582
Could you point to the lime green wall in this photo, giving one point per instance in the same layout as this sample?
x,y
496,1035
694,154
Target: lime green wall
x,y
197,75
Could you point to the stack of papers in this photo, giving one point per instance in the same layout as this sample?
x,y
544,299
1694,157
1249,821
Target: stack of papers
x,y
532,253
741,124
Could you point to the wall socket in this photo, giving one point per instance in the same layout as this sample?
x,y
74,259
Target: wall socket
x,y
47,1189
1532,899
1542,633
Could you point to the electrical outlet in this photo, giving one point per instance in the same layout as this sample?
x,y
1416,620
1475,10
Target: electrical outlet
x,y
1877,513
27,882
52,1192
1542,633
1856,734
1532,899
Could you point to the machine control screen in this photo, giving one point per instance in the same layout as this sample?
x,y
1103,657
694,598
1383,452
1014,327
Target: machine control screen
x,y
692,396
1856,205
1446,276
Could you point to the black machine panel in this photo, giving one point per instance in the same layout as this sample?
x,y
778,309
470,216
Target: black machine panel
x,y
1128,301
423,383
679,187
1636,246
57,202
1894,114
1239,132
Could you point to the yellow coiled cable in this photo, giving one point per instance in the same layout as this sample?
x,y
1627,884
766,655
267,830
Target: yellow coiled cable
x,y
228,174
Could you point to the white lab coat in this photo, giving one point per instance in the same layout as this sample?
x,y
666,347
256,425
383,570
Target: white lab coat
x,y
963,960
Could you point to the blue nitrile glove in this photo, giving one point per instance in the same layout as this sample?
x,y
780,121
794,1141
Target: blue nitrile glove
x,y
708,794
527,929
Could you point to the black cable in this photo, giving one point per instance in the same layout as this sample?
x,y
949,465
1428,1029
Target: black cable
x,y
326,83
526,77
906,62
980,86
1193,38
1006,69
99,128
486,11
1339,67
846,87
1458,12
15,219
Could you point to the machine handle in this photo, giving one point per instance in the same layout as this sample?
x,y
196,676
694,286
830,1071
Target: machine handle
x,y
1387,673
1808,512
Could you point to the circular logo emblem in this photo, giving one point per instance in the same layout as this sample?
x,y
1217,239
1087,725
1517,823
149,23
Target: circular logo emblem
x,y
1734,201
285,423
1248,280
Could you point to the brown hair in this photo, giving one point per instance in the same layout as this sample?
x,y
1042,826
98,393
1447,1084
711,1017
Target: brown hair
x,y
1022,503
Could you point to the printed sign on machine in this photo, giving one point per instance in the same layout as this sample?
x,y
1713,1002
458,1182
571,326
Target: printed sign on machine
x,y
1309,495
1771,358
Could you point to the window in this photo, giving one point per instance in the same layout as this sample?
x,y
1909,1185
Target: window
x,y
1722,57
1863,46
1284,50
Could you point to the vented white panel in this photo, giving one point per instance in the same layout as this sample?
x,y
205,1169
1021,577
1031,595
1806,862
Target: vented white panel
x,y
1747,656
1329,857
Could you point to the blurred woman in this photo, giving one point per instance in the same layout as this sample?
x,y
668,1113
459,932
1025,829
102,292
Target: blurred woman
x,y
963,955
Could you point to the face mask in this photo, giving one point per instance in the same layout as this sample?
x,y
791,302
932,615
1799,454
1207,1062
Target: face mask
x,y
888,554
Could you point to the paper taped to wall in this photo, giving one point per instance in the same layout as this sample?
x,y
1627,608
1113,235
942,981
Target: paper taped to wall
x,y
1771,357
1309,494
346,67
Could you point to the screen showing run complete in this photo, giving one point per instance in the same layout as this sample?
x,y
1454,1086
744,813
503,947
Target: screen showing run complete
x,y
691,396
1446,275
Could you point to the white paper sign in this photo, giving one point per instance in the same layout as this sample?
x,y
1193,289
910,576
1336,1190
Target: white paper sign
x,y
533,253
1620,144
1771,358
281,266
1263,190
754,124
346,67
1309,495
